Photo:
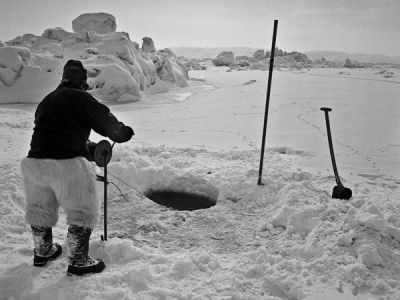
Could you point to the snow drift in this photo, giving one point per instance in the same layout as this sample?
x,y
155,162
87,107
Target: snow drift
x,y
31,66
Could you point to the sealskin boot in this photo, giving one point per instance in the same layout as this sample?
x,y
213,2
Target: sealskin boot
x,y
44,250
79,262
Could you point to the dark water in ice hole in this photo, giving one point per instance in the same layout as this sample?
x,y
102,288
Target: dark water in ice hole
x,y
181,200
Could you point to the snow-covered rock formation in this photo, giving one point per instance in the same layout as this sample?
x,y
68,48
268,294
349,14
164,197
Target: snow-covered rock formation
x,y
98,22
148,45
169,68
31,66
259,54
225,58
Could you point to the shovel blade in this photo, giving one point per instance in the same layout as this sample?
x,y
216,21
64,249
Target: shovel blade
x,y
341,192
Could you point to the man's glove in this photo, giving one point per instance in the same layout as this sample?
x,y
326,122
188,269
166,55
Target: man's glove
x,y
131,132
91,147
123,135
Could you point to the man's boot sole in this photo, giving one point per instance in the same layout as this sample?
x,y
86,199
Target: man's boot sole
x,y
41,261
79,271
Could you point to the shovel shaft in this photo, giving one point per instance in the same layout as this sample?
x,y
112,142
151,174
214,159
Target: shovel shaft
x,y
328,129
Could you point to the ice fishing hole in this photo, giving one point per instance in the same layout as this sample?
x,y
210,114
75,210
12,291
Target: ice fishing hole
x,y
180,200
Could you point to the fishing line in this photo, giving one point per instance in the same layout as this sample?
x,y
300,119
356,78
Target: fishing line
x,y
140,192
101,178
123,196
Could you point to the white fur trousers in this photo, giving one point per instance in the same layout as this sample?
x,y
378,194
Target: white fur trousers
x,y
69,183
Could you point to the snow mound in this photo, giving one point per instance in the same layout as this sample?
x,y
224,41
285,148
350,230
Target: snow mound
x,y
31,66
116,251
110,80
148,176
299,228
26,75
281,240
169,68
98,22
59,34
225,58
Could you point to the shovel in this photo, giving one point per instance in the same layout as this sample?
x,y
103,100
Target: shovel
x,y
339,191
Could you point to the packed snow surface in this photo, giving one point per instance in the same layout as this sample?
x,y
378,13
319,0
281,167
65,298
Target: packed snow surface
x,y
286,239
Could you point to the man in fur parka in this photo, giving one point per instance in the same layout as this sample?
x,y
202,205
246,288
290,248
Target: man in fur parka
x,y
57,171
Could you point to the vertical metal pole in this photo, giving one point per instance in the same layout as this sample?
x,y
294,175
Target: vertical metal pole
x,y
271,67
105,198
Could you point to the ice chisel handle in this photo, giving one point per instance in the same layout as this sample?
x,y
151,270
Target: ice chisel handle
x,y
328,129
271,68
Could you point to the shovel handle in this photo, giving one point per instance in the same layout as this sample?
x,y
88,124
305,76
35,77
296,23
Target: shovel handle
x,y
326,109
328,129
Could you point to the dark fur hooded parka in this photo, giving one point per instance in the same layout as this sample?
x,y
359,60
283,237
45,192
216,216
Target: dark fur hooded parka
x,y
64,120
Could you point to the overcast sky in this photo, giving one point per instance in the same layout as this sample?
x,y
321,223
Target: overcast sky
x,y
368,26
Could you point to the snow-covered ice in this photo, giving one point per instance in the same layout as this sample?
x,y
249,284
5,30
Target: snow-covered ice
x,y
287,239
